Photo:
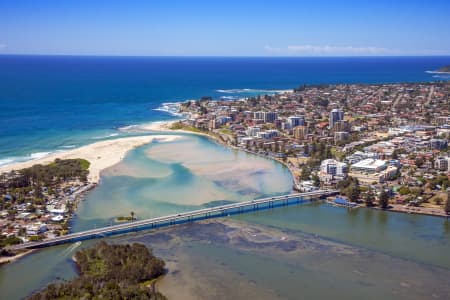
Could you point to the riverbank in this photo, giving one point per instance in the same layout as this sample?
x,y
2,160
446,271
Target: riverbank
x,y
400,208
101,155
10,259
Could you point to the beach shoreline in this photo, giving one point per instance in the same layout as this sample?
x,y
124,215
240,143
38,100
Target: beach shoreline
x,y
101,155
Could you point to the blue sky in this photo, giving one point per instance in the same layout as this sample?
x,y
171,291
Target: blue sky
x,y
225,28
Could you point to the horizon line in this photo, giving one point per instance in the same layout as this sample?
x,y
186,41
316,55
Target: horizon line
x,y
225,56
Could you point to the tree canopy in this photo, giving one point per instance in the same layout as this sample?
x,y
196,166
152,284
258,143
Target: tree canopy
x,y
110,272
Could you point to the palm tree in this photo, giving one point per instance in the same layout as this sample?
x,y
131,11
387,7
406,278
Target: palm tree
x,y
132,215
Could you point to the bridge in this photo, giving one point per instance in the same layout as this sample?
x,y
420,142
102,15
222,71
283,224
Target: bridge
x,y
186,217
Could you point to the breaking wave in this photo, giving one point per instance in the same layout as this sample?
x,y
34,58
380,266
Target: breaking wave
x,y
247,91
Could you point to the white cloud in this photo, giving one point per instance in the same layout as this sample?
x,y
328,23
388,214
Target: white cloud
x,y
314,50
272,49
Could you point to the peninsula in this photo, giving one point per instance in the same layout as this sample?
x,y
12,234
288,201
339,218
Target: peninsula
x,y
384,145
110,272
38,198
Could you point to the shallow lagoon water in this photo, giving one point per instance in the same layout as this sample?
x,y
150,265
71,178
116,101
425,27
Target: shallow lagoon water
x,y
297,252
164,178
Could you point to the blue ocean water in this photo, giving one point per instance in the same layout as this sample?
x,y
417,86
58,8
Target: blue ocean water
x,y
51,103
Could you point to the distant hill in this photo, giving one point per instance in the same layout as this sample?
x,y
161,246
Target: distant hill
x,y
445,69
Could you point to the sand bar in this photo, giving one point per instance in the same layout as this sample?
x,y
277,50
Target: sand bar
x,y
101,155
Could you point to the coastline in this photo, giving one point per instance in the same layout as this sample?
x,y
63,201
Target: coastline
x,y
101,155
10,259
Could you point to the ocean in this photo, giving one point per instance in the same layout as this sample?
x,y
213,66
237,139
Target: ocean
x,y
310,251
54,103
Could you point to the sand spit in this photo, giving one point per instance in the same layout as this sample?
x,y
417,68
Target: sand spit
x,y
101,155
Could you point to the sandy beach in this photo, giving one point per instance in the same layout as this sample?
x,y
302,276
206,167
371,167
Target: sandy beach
x,y
101,155
163,126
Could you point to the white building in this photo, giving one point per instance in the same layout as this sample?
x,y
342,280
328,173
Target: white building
x,y
36,228
295,121
442,163
333,167
369,166
268,134
253,130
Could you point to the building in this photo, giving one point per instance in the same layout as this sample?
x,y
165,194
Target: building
x,y
268,134
212,124
442,163
331,170
295,121
341,136
369,171
36,228
341,125
258,115
270,117
336,115
266,116
333,167
253,130
369,166
438,144
300,133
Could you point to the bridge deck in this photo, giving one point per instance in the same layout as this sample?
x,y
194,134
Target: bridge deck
x,y
200,214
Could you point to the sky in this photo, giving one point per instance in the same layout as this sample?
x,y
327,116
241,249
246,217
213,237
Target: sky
x,y
225,28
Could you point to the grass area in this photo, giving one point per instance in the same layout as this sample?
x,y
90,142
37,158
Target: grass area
x,y
226,131
97,267
181,126
125,219
84,163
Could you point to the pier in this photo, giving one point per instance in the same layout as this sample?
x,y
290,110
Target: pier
x,y
181,218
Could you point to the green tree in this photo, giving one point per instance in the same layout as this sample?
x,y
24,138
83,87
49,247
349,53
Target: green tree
x,y
447,204
353,192
404,190
369,198
383,201
306,172
316,180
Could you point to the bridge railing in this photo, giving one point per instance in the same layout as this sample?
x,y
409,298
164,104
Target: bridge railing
x,y
200,214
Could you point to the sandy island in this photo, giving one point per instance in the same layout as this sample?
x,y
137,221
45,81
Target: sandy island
x,y
101,155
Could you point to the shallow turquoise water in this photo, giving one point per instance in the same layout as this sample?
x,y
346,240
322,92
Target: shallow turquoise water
x,y
166,178
373,254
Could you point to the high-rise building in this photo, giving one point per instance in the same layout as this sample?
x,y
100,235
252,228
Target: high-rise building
x,y
336,114
295,121
341,125
300,133
270,116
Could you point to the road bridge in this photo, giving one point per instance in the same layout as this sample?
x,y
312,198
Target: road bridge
x,y
180,218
